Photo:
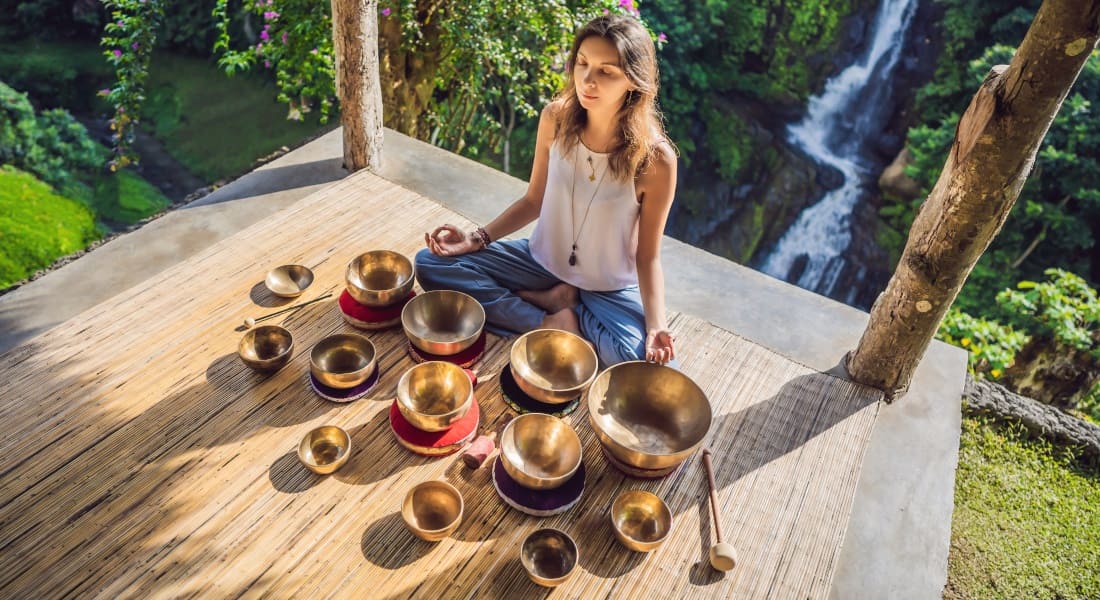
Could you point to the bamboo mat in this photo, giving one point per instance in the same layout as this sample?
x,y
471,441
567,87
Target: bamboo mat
x,y
141,458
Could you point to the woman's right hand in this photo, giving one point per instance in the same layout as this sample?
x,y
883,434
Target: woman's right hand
x,y
448,240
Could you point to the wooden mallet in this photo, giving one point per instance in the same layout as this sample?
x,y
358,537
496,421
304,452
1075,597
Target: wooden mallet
x,y
723,556
475,454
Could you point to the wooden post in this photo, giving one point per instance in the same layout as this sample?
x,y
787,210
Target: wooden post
x,y
993,153
355,42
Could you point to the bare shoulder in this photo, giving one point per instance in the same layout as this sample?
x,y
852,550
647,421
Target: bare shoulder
x,y
662,164
552,111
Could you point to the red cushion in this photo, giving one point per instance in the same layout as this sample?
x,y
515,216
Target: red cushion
x,y
371,314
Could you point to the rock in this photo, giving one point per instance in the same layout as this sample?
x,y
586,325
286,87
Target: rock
x,y
894,182
989,398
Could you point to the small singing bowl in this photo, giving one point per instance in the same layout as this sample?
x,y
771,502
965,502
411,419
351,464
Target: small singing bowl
x,y
553,366
288,281
434,395
443,322
647,415
379,278
539,451
343,360
432,510
266,348
641,520
325,449
549,556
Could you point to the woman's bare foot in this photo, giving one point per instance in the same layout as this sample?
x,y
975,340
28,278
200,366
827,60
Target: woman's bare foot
x,y
564,319
552,300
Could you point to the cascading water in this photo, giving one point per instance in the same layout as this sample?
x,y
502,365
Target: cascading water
x,y
834,132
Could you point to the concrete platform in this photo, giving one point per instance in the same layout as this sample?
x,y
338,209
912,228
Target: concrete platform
x,y
897,542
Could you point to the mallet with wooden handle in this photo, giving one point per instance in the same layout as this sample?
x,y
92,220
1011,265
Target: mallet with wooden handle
x,y
723,556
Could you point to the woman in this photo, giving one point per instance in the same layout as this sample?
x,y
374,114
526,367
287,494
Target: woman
x,y
601,187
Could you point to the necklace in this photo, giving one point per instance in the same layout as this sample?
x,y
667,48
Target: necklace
x,y
572,201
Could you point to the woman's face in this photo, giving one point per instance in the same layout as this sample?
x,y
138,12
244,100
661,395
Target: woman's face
x,y
598,76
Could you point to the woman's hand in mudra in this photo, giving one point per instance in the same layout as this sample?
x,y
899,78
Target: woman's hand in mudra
x,y
658,346
448,240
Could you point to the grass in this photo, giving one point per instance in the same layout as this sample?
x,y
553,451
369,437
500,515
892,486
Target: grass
x,y
1027,518
37,226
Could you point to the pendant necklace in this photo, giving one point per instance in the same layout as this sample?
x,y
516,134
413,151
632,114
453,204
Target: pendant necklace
x,y
572,202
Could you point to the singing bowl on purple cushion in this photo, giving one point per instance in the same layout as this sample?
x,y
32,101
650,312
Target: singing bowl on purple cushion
x,y
553,366
434,395
539,451
342,361
379,278
443,322
647,415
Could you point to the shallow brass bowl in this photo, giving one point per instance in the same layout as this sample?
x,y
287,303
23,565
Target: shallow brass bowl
x,y
432,510
549,556
379,277
641,520
266,348
434,395
647,415
443,322
553,366
325,449
343,360
539,451
288,281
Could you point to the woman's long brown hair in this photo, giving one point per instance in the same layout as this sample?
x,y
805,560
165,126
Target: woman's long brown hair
x,y
639,128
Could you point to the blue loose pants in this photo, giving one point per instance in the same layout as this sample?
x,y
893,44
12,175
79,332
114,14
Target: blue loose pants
x,y
613,321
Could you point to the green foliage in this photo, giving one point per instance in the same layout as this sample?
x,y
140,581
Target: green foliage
x,y
128,37
1025,523
1064,308
990,345
56,75
734,147
51,145
37,226
125,198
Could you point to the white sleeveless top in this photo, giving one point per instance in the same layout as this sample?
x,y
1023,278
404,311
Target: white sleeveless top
x,y
607,241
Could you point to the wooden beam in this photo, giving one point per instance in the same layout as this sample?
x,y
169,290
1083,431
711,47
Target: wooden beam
x,y
994,151
355,44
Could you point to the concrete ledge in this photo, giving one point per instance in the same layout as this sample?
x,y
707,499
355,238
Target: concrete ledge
x,y
897,542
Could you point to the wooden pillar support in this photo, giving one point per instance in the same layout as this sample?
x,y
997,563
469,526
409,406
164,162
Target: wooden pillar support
x,y
355,43
992,155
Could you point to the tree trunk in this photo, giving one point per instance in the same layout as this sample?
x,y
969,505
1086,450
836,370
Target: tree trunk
x,y
355,42
409,72
993,153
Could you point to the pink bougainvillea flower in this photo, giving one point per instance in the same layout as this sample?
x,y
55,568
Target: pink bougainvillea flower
x,y
135,46
284,38
314,51
385,12
104,91
264,35
117,53
267,63
661,37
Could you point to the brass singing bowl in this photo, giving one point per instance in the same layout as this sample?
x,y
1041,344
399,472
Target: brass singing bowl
x,y
432,510
325,449
549,556
641,520
266,348
553,366
434,395
288,281
647,415
343,360
539,451
379,278
443,322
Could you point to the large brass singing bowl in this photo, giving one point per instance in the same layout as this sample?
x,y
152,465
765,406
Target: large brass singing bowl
x,y
379,278
549,557
539,451
288,281
325,449
553,366
641,520
443,322
647,415
343,360
266,348
434,395
432,510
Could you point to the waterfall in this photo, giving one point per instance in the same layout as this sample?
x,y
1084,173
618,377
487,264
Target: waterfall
x,y
834,131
